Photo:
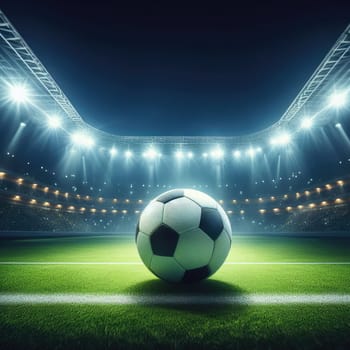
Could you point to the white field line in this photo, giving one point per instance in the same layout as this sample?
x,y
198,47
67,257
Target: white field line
x,y
123,299
140,263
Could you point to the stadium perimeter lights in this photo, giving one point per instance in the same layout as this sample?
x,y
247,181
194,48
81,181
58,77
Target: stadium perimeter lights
x,y
54,122
82,139
251,152
237,154
113,152
306,123
217,153
337,99
179,154
18,93
282,139
151,153
190,155
128,154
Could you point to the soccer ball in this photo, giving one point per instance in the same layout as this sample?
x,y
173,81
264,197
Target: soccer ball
x,y
183,235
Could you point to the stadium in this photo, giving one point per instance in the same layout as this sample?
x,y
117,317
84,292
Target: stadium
x,y
72,193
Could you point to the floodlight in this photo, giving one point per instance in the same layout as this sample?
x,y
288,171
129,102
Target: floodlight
x,y
22,125
338,126
179,154
337,99
217,153
81,139
18,93
151,153
281,139
190,155
113,152
237,154
205,155
306,123
251,152
54,122
128,154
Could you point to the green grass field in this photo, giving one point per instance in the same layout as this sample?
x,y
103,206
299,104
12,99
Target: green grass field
x,y
174,325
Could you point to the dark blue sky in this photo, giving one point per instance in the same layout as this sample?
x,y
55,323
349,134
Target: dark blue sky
x,y
155,69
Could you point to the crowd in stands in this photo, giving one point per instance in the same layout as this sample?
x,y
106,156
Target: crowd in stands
x,y
15,217
336,218
261,205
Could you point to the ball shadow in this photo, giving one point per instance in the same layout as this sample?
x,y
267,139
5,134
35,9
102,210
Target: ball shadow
x,y
209,297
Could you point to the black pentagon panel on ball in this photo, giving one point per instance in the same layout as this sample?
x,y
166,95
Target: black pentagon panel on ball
x,y
170,195
196,275
164,240
137,230
211,223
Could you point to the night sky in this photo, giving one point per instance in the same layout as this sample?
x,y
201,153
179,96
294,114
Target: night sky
x,y
155,69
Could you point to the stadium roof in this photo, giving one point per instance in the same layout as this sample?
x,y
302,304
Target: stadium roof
x,y
19,64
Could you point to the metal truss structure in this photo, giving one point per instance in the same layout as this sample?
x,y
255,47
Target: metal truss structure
x,y
18,62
